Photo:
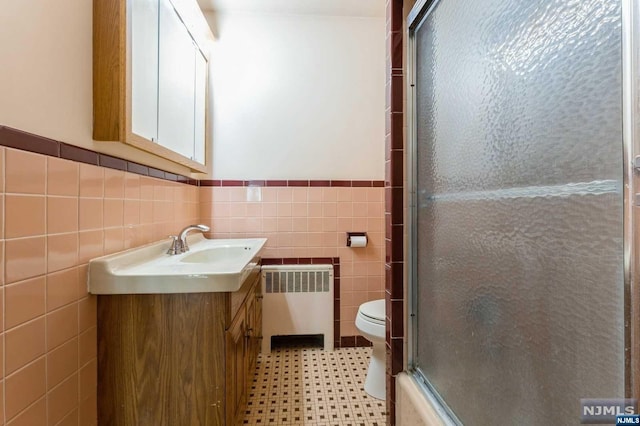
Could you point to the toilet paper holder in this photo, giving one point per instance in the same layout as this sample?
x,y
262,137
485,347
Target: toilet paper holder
x,y
350,235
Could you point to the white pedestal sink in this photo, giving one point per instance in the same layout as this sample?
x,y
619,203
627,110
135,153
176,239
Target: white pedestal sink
x,y
217,265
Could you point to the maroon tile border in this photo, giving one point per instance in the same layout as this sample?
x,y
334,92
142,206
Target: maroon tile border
x,y
78,154
354,342
18,139
394,201
137,169
276,183
14,138
335,261
296,183
112,162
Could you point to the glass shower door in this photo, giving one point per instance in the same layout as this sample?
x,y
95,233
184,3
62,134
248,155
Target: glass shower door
x,y
518,216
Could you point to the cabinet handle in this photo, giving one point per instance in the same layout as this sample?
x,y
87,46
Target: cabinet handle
x,y
260,297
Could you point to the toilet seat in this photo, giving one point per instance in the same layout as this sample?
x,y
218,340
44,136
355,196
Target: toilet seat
x,y
373,311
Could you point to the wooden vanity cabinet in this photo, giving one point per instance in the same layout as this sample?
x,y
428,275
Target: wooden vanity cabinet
x,y
184,359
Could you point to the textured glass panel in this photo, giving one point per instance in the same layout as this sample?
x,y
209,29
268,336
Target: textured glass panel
x,y
519,218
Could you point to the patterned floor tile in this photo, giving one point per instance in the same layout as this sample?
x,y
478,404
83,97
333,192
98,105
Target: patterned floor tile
x,y
309,386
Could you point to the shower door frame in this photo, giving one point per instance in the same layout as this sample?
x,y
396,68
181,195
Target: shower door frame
x,y
630,28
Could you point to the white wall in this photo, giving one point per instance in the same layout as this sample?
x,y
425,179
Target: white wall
x,y
298,97
46,75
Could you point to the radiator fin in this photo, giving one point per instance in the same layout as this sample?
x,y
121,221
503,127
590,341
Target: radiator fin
x,y
297,281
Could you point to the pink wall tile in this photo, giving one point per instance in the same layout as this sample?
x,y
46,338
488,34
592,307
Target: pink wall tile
x,y
314,195
62,362
62,177
283,209
62,325
237,209
345,194
62,251
24,344
131,213
113,240
25,387
113,212
36,414
62,399
24,301
299,209
329,194
25,216
237,194
71,419
90,245
87,346
300,195
62,214
87,312
62,288
47,318
24,258
88,411
113,183
91,181
88,378
131,186
25,172
285,195
90,213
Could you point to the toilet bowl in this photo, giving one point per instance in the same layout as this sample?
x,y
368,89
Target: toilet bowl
x,y
371,323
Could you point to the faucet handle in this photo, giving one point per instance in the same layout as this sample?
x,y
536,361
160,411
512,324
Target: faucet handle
x,y
175,245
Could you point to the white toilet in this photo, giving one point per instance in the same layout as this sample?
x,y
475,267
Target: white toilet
x,y
370,322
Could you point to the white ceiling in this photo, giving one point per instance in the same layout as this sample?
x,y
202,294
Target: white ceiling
x,y
365,8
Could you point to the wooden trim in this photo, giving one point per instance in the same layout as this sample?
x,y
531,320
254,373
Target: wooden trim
x,y
108,61
159,150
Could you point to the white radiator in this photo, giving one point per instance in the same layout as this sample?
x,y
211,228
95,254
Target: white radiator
x,y
298,300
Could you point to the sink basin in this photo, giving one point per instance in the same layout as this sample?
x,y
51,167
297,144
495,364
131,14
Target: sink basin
x,y
216,265
222,254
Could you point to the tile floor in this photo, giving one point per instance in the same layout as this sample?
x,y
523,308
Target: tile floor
x,y
308,386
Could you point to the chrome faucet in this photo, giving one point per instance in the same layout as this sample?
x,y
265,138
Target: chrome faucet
x,y
179,244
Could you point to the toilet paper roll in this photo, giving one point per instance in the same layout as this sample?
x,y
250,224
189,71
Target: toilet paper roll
x,y
360,241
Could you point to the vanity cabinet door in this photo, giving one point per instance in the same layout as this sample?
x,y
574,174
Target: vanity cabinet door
x,y
144,68
236,368
176,83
